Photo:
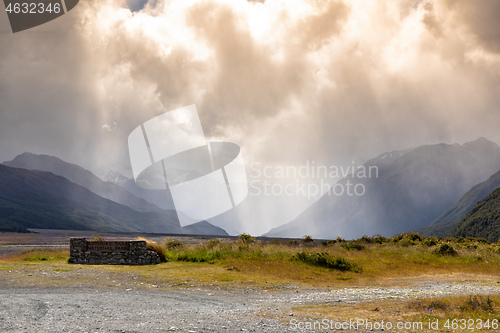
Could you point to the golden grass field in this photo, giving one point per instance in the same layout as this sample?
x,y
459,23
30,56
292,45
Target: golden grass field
x,y
248,264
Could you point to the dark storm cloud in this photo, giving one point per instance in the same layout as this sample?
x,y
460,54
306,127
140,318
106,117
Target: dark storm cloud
x,y
288,80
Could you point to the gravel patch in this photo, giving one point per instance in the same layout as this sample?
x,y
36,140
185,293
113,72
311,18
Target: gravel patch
x,y
366,294
189,310
7,250
60,310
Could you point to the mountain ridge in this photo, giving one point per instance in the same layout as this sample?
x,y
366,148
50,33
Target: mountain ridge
x,y
482,221
82,177
415,186
42,200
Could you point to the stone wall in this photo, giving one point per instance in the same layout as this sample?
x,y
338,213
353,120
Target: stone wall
x,y
83,251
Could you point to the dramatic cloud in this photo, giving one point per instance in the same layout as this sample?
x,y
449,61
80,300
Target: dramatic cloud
x,y
288,80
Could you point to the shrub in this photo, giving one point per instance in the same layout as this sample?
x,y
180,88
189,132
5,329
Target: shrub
x,y
332,242
446,250
431,241
480,240
475,303
325,259
307,239
353,246
377,239
414,237
406,243
174,244
96,238
246,239
397,238
293,242
211,243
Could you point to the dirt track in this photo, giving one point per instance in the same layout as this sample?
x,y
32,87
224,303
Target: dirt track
x,y
66,310
186,310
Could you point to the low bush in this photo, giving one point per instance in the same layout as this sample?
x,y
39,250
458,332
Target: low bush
x,y
331,242
431,241
325,259
212,243
475,303
307,239
174,244
377,239
446,250
414,237
96,238
246,239
353,246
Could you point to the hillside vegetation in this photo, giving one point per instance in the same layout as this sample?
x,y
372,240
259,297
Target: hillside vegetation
x,y
482,221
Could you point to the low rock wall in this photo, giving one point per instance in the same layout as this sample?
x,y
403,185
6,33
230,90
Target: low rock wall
x,y
83,251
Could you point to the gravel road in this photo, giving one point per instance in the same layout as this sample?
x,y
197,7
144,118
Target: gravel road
x,y
189,310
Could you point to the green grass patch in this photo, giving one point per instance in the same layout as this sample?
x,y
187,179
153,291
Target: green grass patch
x,y
44,255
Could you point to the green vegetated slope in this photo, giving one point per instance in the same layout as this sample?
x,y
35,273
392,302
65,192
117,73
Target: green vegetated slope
x,y
469,200
482,221
445,223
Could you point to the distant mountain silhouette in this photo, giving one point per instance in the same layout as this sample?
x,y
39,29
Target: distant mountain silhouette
x,y
42,200
413,188
482,221
160,198
82,177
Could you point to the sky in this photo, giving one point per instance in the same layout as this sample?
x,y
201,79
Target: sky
x,y
290,81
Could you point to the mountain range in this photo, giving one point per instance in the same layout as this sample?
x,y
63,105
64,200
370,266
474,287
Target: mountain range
x,y
67,196
445,190
83,177
412,189
160,198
